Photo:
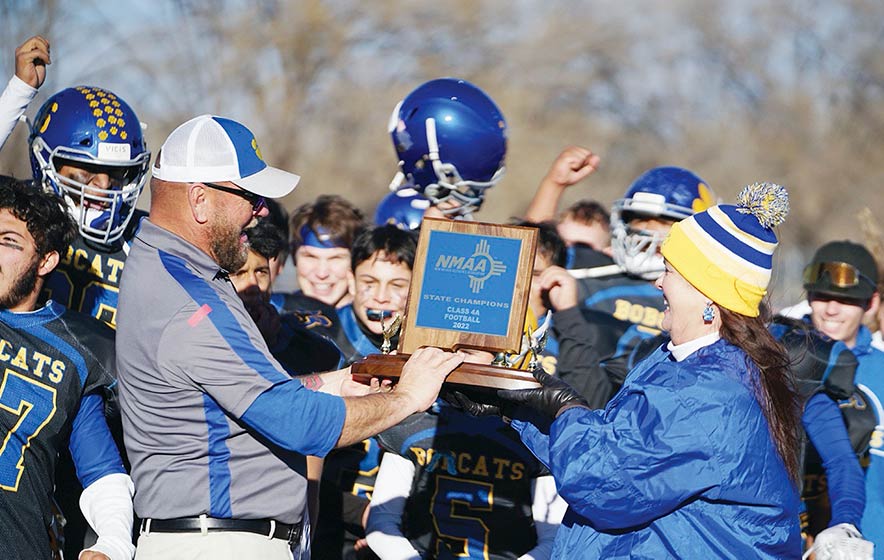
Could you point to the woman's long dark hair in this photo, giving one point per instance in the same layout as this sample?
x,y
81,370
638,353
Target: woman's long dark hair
x,y
775,389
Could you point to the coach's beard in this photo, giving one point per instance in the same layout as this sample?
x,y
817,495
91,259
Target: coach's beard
x,y
228,248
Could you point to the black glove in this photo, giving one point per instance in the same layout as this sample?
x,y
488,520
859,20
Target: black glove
x,y
470,404
549,399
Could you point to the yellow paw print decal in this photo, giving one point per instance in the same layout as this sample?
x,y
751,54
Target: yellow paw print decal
x,y
257,149
705,201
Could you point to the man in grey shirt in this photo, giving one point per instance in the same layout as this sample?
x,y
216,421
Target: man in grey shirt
x,y
215,429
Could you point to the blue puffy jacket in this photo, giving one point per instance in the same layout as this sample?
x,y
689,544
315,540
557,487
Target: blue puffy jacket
x,y
680,464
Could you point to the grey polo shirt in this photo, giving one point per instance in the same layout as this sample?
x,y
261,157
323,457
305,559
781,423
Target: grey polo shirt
x,y
212,422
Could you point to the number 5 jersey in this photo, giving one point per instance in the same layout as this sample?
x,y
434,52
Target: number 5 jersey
x,y
471,495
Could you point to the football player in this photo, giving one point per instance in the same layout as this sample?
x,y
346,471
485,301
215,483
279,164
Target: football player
x,y
298,348
322,234
640,221
841,284
86,146
453,485
57,361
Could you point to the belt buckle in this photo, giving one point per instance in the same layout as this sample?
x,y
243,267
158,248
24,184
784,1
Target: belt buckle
x,y
294,533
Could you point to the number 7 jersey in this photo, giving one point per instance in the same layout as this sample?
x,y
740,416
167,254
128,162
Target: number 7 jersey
x,y
54,363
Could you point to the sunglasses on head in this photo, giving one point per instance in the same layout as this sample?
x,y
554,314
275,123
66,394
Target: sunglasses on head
x,y
257,201
840,274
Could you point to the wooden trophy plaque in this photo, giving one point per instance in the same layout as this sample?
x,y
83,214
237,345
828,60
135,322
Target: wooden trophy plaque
x,y
469,289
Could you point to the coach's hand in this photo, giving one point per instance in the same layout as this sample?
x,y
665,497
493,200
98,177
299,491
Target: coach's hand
x,y
423,374
550,399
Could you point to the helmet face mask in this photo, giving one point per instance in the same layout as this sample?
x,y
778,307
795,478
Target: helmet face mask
x,y
637,250
93,131
660,196
451,141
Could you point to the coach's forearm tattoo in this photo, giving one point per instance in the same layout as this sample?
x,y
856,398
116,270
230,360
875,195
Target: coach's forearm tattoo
x,y
312,381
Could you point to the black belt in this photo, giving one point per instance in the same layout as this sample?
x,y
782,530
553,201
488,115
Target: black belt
x,y
266,527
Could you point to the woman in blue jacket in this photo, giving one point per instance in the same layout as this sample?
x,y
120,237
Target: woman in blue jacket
x,y
697,455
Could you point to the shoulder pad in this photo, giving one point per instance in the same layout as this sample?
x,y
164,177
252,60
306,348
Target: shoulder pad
x,y
818,362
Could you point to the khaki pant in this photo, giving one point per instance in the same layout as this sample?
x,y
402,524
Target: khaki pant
x,y
216,545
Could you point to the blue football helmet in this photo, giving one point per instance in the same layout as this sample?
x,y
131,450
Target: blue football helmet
x,y
450,139
404,208
666,193
96,131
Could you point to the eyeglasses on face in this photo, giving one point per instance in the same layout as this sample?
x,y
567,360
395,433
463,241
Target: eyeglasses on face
x,y
257,201
840,274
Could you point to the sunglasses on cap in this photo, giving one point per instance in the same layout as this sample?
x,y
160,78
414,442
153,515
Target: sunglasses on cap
x,y
256,200
840,274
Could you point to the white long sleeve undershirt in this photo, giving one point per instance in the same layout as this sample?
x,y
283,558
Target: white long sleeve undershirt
x,y
107,506
13,102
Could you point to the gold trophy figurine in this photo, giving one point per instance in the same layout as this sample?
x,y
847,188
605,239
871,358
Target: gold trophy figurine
x,y
389,333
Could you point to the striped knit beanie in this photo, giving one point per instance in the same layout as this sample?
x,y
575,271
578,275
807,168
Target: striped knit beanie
x,y
726,251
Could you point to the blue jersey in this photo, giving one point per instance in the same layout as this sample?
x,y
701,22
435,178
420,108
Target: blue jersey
x,y
87,278
56,363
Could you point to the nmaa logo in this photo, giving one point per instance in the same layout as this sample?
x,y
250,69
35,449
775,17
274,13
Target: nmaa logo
x,y
479,266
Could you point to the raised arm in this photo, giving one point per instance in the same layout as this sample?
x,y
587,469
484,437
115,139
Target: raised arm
x,y
574,164
31,58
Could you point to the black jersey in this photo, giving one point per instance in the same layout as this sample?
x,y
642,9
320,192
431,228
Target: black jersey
x,y
618,312
626,298
471,492
55,364
318,317
302,351
87,278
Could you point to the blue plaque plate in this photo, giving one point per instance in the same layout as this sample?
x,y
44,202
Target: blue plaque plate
x,y
468,283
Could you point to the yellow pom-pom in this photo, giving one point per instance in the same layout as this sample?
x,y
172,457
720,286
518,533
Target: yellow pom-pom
x,y
768,202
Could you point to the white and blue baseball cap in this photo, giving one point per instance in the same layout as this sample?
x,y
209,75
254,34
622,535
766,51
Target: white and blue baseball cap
x,y
214,149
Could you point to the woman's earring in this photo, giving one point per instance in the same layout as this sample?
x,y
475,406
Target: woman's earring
x,y
708,313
